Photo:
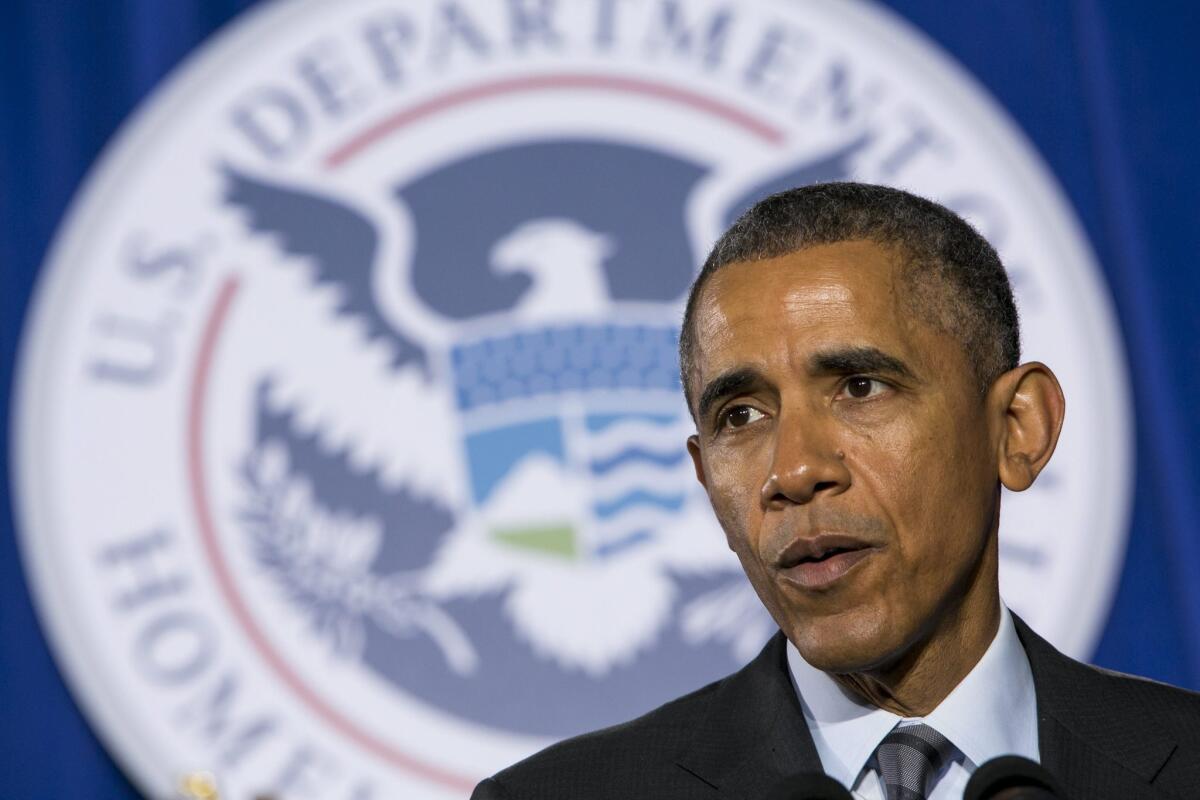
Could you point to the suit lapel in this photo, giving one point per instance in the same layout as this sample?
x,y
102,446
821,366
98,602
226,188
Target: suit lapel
x,y
754,733
1085,771
1090,735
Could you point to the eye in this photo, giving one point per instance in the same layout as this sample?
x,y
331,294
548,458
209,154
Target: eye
x,y
860,387
740,416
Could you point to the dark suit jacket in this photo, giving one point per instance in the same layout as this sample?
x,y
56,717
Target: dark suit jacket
x,y
1104,735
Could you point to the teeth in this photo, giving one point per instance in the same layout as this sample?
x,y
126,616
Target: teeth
x,y
826,554
833,551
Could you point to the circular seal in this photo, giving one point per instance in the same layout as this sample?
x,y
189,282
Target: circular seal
x,y
350,442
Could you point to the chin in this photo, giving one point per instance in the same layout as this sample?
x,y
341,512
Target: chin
x,y
851,642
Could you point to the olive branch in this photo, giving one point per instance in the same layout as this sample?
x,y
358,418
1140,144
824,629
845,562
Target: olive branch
x,y
322,561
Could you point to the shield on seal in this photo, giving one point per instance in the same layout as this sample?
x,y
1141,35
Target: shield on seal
x,y
573,443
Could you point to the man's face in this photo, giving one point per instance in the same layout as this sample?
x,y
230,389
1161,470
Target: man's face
x,y
847,452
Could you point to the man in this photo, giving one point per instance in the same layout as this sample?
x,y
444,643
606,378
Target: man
x,y
850,354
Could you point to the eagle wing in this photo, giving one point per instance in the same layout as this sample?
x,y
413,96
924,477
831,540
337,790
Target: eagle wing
x,y
340,242
340,366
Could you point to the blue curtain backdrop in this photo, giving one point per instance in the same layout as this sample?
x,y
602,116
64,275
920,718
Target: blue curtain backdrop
x,y
1105,90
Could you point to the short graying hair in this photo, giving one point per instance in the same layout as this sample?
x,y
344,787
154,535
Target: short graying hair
x,y
955,279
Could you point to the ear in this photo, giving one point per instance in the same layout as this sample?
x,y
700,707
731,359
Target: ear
x,y
693,446
1029,407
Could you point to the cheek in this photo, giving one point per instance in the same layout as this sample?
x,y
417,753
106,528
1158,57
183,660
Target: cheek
x,y
734,493
729,503
891,465
932,483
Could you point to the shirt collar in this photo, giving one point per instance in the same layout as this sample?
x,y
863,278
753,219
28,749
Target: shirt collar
x,y
992,711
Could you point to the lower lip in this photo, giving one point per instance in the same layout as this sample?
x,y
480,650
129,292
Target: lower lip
x,y
823,574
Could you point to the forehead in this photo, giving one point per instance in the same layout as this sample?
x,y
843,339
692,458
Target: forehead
x,y
825,295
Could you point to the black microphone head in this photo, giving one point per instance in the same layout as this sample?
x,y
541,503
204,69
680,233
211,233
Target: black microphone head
x,y
1012,778
809,786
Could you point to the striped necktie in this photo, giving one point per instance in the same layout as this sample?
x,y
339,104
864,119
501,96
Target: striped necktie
x,y
910,758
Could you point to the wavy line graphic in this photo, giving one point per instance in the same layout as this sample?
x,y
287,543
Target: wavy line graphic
x,y
636,433
613,546
643,475
638,517
639,497
603,466
597,423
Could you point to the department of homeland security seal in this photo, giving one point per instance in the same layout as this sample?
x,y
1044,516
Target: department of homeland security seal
x,y
350,442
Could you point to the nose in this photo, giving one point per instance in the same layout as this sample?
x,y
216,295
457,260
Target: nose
x,y
806,462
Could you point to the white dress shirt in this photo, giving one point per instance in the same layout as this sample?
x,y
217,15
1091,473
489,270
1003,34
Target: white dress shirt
x,y
992,712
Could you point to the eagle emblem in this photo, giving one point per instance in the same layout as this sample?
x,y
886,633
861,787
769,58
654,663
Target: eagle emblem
x,y
521,525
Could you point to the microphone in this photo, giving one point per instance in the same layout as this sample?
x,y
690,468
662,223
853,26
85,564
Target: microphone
x,y
808,786
1012,778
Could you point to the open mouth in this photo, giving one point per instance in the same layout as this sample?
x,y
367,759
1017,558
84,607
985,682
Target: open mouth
x,y
817,564
827,554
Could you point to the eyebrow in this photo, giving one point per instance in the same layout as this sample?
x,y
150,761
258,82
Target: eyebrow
x,y
728,384
842,361
852,360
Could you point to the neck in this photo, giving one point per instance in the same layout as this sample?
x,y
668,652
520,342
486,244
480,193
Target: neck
x,y
916,682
